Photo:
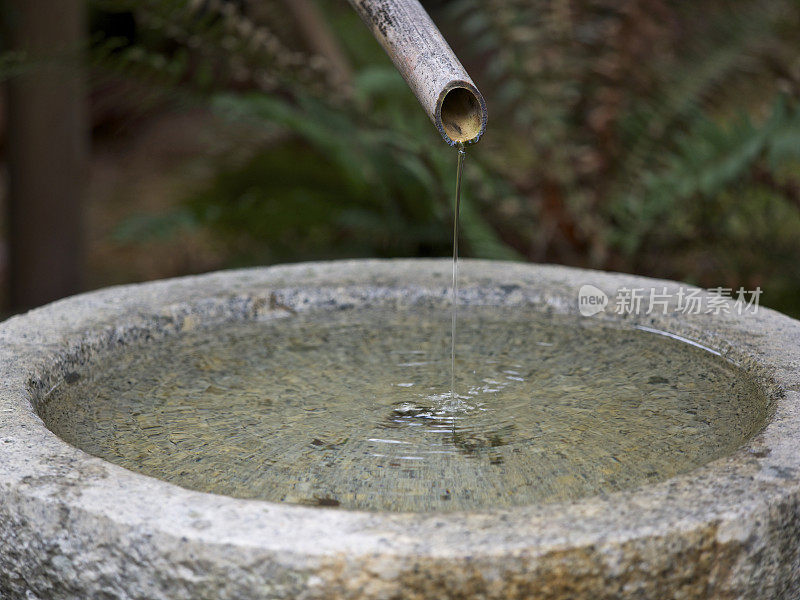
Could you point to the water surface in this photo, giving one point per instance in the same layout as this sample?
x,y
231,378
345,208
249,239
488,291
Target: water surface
x,y
353,409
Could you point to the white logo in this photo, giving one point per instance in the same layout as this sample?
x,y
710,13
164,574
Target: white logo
x,y
591,300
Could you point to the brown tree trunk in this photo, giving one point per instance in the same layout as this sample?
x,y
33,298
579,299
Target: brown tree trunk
x,y
320,39
47,151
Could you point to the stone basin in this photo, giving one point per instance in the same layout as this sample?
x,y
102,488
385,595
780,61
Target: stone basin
x,y
76,526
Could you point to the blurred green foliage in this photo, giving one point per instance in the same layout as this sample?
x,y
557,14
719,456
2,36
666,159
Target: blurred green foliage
x,y
649,136
652,136
357,172
339,186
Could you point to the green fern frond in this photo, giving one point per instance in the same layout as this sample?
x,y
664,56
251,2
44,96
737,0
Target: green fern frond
x,y
710,159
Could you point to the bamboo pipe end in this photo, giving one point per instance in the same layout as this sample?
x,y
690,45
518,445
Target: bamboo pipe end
x,y
461,113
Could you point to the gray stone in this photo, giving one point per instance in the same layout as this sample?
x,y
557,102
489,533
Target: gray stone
x,y
75,526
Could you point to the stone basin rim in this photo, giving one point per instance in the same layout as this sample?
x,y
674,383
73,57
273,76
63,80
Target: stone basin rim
x,y
735,495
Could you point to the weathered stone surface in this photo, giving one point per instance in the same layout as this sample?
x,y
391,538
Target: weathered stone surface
x,y
74,526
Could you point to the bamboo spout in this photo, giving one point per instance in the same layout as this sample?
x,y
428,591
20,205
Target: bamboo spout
x,y
429,66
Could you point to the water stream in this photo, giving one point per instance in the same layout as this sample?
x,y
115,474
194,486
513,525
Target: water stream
x,y
456,211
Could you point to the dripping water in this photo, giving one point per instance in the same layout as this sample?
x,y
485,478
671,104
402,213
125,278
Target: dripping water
x,y
454,308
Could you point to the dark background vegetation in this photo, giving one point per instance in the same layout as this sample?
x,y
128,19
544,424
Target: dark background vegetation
x,y
648,136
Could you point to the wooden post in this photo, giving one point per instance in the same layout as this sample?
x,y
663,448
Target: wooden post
x,y
320,39
47,151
